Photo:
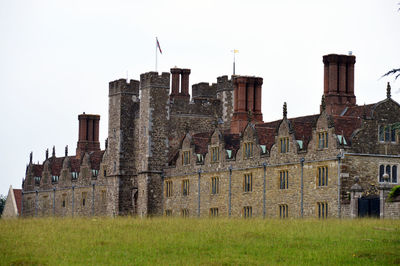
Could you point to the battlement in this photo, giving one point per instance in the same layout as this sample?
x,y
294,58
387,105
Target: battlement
x,y
153,79
224,83
204,90
122,86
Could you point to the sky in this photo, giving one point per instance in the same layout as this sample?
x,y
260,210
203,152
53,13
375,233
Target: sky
x,y
57,58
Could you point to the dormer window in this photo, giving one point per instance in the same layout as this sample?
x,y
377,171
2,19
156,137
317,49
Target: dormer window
x,y
263,149
74,175
284,145
229,154
200,158
54,178
37,180
342,140
186,157
323,140
387,133
95,173
214,154
248,150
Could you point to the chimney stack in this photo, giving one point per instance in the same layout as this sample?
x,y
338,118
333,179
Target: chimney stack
x,y
339,82
88,134
182,91
247,102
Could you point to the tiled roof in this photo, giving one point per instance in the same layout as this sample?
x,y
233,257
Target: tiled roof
x,y
56,165
346,125
18,198
359,111
232,142
201,141
95,159
37,169
266,135
75,164
303,127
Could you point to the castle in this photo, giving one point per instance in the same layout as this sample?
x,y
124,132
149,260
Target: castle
x,y
211,154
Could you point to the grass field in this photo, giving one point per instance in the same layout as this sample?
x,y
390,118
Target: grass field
x,y
165,241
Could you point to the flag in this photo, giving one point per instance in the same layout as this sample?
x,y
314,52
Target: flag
x,y
235,51
158,45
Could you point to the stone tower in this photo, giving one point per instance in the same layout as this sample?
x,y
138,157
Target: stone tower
x,y
225,95
153,141
123,106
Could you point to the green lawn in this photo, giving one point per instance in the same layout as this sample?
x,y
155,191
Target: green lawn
x,y
198,241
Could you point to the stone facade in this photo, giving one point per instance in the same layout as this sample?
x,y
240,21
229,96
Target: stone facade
x,y
213,155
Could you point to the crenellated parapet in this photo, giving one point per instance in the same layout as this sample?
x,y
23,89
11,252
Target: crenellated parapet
x,y
122,86
154,80
204,90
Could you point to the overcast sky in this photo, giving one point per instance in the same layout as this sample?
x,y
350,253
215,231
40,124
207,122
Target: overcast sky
x,y
57,57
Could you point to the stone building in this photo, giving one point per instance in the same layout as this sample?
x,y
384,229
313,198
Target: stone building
x,y
211,154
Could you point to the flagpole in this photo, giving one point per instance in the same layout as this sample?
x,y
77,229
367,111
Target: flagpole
x,y
156,54
234,61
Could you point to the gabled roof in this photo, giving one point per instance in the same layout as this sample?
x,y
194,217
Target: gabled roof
x,y
18,199
359,111
37,169
346,125
95,159
56,165
201,141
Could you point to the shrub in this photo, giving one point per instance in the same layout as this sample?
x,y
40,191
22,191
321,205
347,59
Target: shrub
x,y
394,193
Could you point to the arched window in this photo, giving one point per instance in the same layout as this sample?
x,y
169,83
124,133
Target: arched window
x,y
394,174
388,170
381,172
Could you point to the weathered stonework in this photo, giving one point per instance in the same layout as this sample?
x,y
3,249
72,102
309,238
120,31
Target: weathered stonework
x,y
212,154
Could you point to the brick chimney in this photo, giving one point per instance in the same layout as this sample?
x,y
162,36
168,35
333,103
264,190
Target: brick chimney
x,y
339,82
175,81
247,102
182,91
88,134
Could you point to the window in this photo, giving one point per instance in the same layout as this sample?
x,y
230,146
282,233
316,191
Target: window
x,y
387,133
84,196
247,211
74,175
186,157
168,188
95,173
322,210
215,185
168,212
185,213
37,180
199,158
322,140
284,179
322,179
391,170
283,211
284,145
185,187
214,154
105,173
54,178
248,183
248,150
214,212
